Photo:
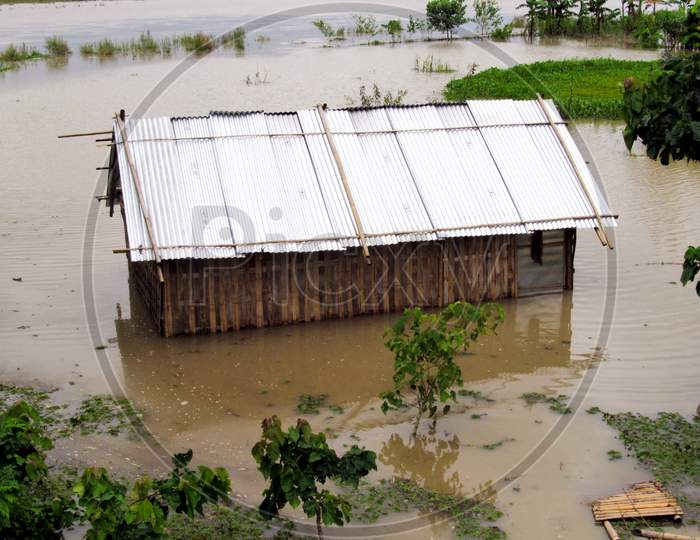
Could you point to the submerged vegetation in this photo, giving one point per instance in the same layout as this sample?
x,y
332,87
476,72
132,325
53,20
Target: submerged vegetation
x,y
580,88
430,64
472,519
557,403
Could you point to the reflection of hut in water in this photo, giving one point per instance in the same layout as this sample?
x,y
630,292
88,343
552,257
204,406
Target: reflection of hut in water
x,y
268,369
254,219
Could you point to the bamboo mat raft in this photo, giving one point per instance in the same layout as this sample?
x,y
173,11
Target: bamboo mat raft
x,y
646,499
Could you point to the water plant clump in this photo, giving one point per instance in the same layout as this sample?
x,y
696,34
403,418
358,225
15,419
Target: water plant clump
x,y
556,403
580,88
105,415
471,519
57,47
16,54
430,64
330,33
475,394
235,39
311,403
497,444
198,42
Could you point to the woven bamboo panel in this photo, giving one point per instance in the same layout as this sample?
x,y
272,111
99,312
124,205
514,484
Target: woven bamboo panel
x,y
646,499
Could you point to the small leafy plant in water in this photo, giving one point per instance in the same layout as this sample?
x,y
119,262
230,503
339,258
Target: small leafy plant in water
x,y
430,64
311,403
295,461
475,394
556,403
614,455
497,444
424,347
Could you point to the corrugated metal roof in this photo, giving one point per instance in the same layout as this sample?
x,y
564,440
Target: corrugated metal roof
x,y
228,184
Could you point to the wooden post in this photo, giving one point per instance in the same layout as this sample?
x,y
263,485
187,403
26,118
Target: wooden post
x,y
646,533
346,186
139,193
600,231
612,533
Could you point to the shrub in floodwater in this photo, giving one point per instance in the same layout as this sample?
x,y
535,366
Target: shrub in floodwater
x,y
22,53
310,403
556,403
430,64
199,42
294,462
236,39
87,49
365,25
144,45
424,347
502,33
57,46
376,98
106,47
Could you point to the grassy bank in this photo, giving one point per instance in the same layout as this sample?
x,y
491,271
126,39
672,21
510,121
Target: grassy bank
x,y
580,88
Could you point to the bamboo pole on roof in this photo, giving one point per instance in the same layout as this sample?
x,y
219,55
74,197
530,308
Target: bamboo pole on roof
x,y
139,194
343,176
600,231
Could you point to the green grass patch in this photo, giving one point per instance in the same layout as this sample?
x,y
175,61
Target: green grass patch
x,y
57,47
556,403
199,42
430,64
104,415
16,54
669,446
580,88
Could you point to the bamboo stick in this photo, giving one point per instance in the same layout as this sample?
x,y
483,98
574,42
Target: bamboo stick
x,y
343,176
646,533
612,533
601,234
86,134
139,194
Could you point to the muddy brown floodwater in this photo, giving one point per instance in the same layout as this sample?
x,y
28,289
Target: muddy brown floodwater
x,y
210,393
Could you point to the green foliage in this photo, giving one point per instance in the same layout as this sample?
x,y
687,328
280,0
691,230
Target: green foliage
x,y
430,64
310,403
294,462
668,444
580,88
117,512
614,455
376,97
671,23
446,15
365,25
226,523
691,32
394,28
235,39
664,113
475,394
556,403
424,346
497,444
14,54
487,16
23,442
503,33
57,46
691,266
198,43
417,25
328,31
32,504
105,414
471,519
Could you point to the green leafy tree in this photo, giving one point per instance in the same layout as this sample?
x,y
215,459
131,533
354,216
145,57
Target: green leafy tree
x,y
117,512
664,113
424,347
600,13
487,15
691,266
296,461
366,26
691,32
672,24
33,505
534,9
393,28
446,15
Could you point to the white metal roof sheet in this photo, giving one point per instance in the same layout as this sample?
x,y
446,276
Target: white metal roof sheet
x,y
228,184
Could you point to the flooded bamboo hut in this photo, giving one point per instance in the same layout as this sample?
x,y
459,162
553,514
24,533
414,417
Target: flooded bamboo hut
x,y
250,219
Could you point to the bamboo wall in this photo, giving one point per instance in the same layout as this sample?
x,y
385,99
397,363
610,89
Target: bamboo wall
x,y
207,296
